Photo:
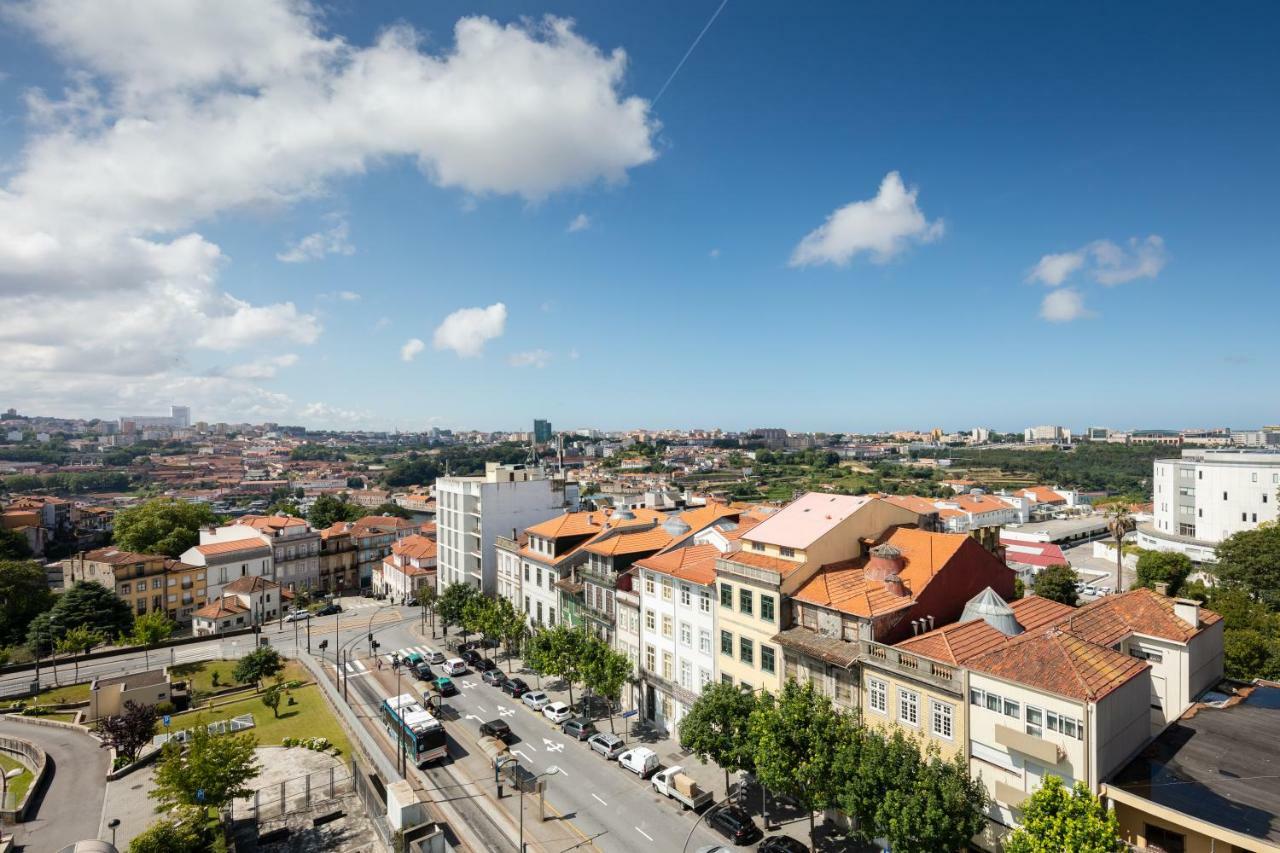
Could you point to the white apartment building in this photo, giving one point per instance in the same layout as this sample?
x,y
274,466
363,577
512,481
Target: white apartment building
x,y
227,561
531,565
472,512
1206,496
1047,435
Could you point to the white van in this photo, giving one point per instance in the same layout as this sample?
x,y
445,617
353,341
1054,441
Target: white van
x,y
641,761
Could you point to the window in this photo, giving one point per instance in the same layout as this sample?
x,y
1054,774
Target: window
x,y
976,697
908,707
124,588
746,651
726,644
666,626
1143,654
726,595
686,598
704,602
993,703
551,616
767,658
526,572
666,589
539,612
650,658
1254,475
1164,840
940,719
744,601
725,678
686,634
766,608
526,604
667,664
704,678
1224,496
1035,719
686,675
757,546
650,621
787,552
704,641
1012,709
877,693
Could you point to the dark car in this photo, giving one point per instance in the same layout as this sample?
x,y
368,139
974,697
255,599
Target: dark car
x,y
445,686
515,687
578,729
485,665
496,728
734,823
782,844
423,671
487,643
329,610
494,677
472,657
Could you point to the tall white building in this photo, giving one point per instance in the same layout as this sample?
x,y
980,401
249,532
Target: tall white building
x,y
1208,495
472,512
1047,435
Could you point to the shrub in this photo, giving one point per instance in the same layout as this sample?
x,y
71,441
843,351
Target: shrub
x,y
163,708
217,678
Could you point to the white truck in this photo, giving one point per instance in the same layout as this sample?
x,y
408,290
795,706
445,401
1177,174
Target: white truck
x,y
673,783
641,761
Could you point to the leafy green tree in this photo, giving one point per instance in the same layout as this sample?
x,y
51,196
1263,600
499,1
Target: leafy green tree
x,y
1057,583
87,604
537,653
566,654
941,808
328,510
13,545
453,601
130,731
1250,560
179,833
391,509
262,662
152,628
161,526
271,698
428,599
77,641
478,616
605,672
510,625
208,771
24,594
1167,567
1056,818
718,728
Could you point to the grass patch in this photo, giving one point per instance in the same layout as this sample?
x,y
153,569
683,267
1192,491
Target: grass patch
x,y
308,717
199,676
19,784
60,695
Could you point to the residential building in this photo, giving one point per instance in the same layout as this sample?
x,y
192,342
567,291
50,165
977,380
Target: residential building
x,y
339,570
1047,435
1205,496
410,566
245,602
146,582
777,556
472,512
295,546
530,564
373,537
108,695
226,561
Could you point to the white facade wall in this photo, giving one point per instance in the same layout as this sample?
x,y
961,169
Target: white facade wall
x,y
539,598
296,551
227,568
1215,496
677,639
508,577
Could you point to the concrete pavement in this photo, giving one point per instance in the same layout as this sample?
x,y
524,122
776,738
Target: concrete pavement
x,y
70,807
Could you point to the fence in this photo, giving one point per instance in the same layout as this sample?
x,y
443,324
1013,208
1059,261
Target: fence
x,y
217,727
14,808
298,793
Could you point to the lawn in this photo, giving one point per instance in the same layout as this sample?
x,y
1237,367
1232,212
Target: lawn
x,y
199,676
17,786
309,717
61,695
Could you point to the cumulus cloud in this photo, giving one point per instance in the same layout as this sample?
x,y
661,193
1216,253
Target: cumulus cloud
x,y
327,415
882,226
1053,270
348,296
466,330
1104,261
313,247
530,358
581,222
262,368
411,349
1063,305
178,113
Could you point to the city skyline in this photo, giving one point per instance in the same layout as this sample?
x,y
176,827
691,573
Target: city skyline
x,y
813,195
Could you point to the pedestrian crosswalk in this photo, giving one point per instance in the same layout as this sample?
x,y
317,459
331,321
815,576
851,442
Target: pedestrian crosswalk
x,y
355,668
405,652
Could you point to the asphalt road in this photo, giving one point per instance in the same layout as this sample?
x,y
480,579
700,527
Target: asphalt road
x,y
70,809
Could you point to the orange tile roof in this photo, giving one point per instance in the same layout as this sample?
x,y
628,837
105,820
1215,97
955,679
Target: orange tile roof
x,y
417,547
693,563
235,545
703,517
115,556
570,524
220,608
250,583
1053,660
267,523
763,561
954,644
625,541
1043,494
1138,611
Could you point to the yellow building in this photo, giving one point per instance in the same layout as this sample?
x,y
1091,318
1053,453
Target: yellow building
x,y
146,582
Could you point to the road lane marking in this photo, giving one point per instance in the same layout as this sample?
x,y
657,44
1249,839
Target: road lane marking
x,y
598,800
552,746
521,754
645,834
482,709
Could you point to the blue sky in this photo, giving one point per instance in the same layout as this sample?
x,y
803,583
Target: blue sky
x,y
1133,145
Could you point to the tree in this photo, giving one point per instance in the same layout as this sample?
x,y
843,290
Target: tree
x,y
182,833
798,739
129,732
271,698
1119,524
24,594
1167,567
718,728
1250,560
161,526
566,653
509,624
1056,818
88,604
13,545
77,641
605,671
453,601
1057,583
208,771
152,628
391,509
478,616
328,510
262,662
428,597
941,808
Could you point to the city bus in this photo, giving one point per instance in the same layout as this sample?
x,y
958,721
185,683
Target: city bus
x,y
414,728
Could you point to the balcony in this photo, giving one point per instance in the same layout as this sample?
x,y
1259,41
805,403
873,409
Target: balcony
x,y
680,694
911,666
1038,748
1009,795
627,598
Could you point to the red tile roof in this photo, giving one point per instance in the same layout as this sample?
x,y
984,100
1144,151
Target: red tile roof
x,y
235,546
1053,660
693,563
1109,619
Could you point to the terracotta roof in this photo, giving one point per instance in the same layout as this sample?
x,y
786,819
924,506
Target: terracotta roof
x,y
1053,660
624,541
250,584
827,649
957,643
1138,611
268,523
569,524
417,547
763,561
214,549
382,522
703,517
693,563
116,557
1043,494
745,523
220,608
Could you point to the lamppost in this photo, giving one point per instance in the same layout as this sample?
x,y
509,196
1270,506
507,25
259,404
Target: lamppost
x,y
400,754
550,771
112,824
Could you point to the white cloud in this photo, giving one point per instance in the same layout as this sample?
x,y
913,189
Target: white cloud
x,y
1053,270
313,247
263,368
327,415
530,358
411,349
348,296
467,330
178,113
882,226
1063,306
581,222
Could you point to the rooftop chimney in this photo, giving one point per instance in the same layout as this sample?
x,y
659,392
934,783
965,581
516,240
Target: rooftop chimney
x,y
894,586
1162,588
885,560
1187,610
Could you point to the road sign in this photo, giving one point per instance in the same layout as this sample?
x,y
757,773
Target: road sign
x,y
167,720
626,714
200,795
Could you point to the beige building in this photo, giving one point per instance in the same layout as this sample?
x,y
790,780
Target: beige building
x,y
146,582
245,602
294,544
410,566
108,695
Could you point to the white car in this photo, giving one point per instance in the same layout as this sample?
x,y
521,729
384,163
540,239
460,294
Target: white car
x,y
298,616
558,712
455,666
536,699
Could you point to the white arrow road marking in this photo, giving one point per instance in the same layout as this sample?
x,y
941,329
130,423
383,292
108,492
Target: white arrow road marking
x,y
645,834
552,746
474,717
521,754
468,684
506,712
600,801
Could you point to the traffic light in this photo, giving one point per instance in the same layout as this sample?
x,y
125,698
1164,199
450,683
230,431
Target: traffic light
x,y
371,636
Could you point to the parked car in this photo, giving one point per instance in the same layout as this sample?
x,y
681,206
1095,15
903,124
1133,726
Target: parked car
x,y
444,686
557,712
413,659
734,823
434,656
423,671
607,744
579,729
472,657
455,666
782,844
485,665
679,786
298,616
496,728
494,677
329,610
515,687
641,761
537,700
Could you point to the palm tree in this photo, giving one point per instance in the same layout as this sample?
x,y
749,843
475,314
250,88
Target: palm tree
x,y
1120,524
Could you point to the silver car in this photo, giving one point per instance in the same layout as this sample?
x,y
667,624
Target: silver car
x,y
608,745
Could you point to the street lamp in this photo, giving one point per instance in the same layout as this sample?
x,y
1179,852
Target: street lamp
x,y
550,771
400,754
112,824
